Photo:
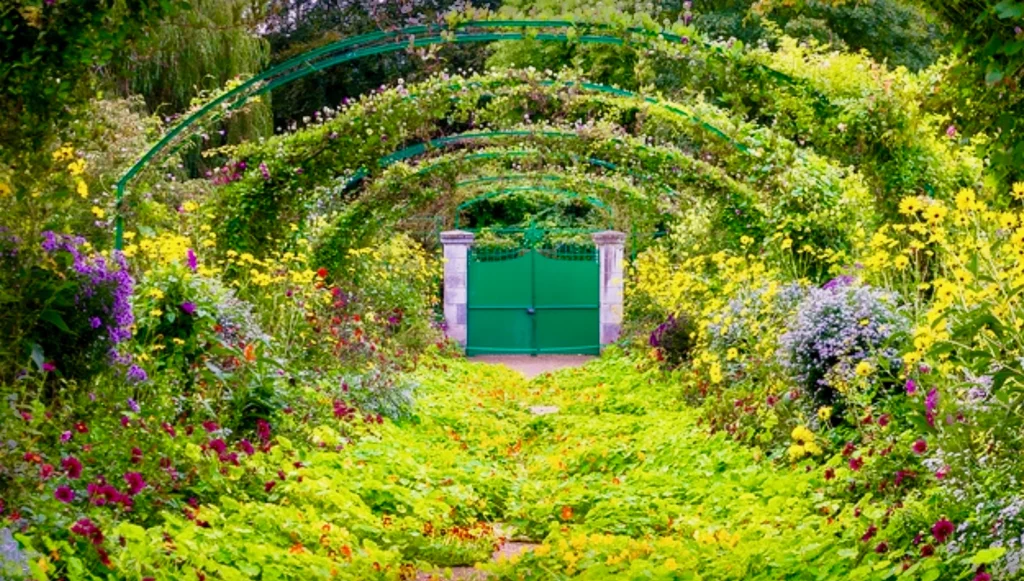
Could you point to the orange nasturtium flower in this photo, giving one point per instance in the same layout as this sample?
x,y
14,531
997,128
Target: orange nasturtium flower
x,y
566,512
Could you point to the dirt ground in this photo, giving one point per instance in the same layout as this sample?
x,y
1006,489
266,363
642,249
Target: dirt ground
x,y
531,366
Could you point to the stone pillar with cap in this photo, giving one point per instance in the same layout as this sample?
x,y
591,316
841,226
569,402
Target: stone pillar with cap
x,y
456,245
610,247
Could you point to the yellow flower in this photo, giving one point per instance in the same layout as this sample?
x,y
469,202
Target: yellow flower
x,y
190,206
63,154
901,262
155,313
910,206
98,212
5,190
864,369
936,212
1018,190
824,413
82,188
966,201
803,443
731,354
77,167
156,293
715,373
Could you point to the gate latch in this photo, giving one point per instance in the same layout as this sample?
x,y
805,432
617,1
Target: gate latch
x,y
530,311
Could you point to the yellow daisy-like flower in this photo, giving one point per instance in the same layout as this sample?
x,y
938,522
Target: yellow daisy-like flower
x,y
5,190
190,206
864,369
803,443
936,212
732,354
966,201
82,188
910,206
99,212
1018,190
824,413
901,262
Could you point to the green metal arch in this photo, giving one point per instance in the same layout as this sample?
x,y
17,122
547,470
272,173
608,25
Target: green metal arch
x,y
515,190
325,57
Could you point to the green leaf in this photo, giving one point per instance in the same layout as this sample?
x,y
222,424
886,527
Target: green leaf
x,y
1009,9
986,556
53,317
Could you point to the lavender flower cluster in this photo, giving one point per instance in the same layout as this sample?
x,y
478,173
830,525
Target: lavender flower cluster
x,y
834,328
101,316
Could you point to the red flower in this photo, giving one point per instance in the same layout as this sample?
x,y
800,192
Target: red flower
x,y
882,547
868,534
169,429
269,485
856,463
942,529
263,430
246,447
81,428
920,447
321,272
210,426
849,449
883,420
218,446
64,494
927,551
830,473
46,471
982,576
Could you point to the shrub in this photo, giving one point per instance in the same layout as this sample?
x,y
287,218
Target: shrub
x,y
675,338
68,307
835,328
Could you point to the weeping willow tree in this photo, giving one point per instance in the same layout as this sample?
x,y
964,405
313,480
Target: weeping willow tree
x,y
197,50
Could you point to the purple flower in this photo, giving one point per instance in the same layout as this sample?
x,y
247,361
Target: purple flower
x,y
188,308
135,482
911,387
951,131
95,322
132,404
64,494
193,263
931,401
66,437
136,374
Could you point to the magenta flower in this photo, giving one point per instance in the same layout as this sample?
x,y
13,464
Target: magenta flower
x,y
856,463
189,308
72,466
218,446
246,447
911,387
931,401
942,472
942,529
65,437
920,447
64,494
193,263
882,548
263,430
135,482
49,366
982,576
85,527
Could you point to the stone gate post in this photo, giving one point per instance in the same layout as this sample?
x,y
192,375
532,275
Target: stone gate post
x,y
456,245
610,248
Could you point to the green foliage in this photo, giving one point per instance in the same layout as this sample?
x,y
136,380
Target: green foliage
x,y
47,52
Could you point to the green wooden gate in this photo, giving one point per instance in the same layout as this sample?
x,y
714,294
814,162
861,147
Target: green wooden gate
x,y
533,301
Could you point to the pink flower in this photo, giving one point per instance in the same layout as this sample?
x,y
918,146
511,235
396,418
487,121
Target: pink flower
x,y
942,529
64,494
246,447
49,366
66,437
951,131
920,447
46,471
210,426
942,472
856,463
911,387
